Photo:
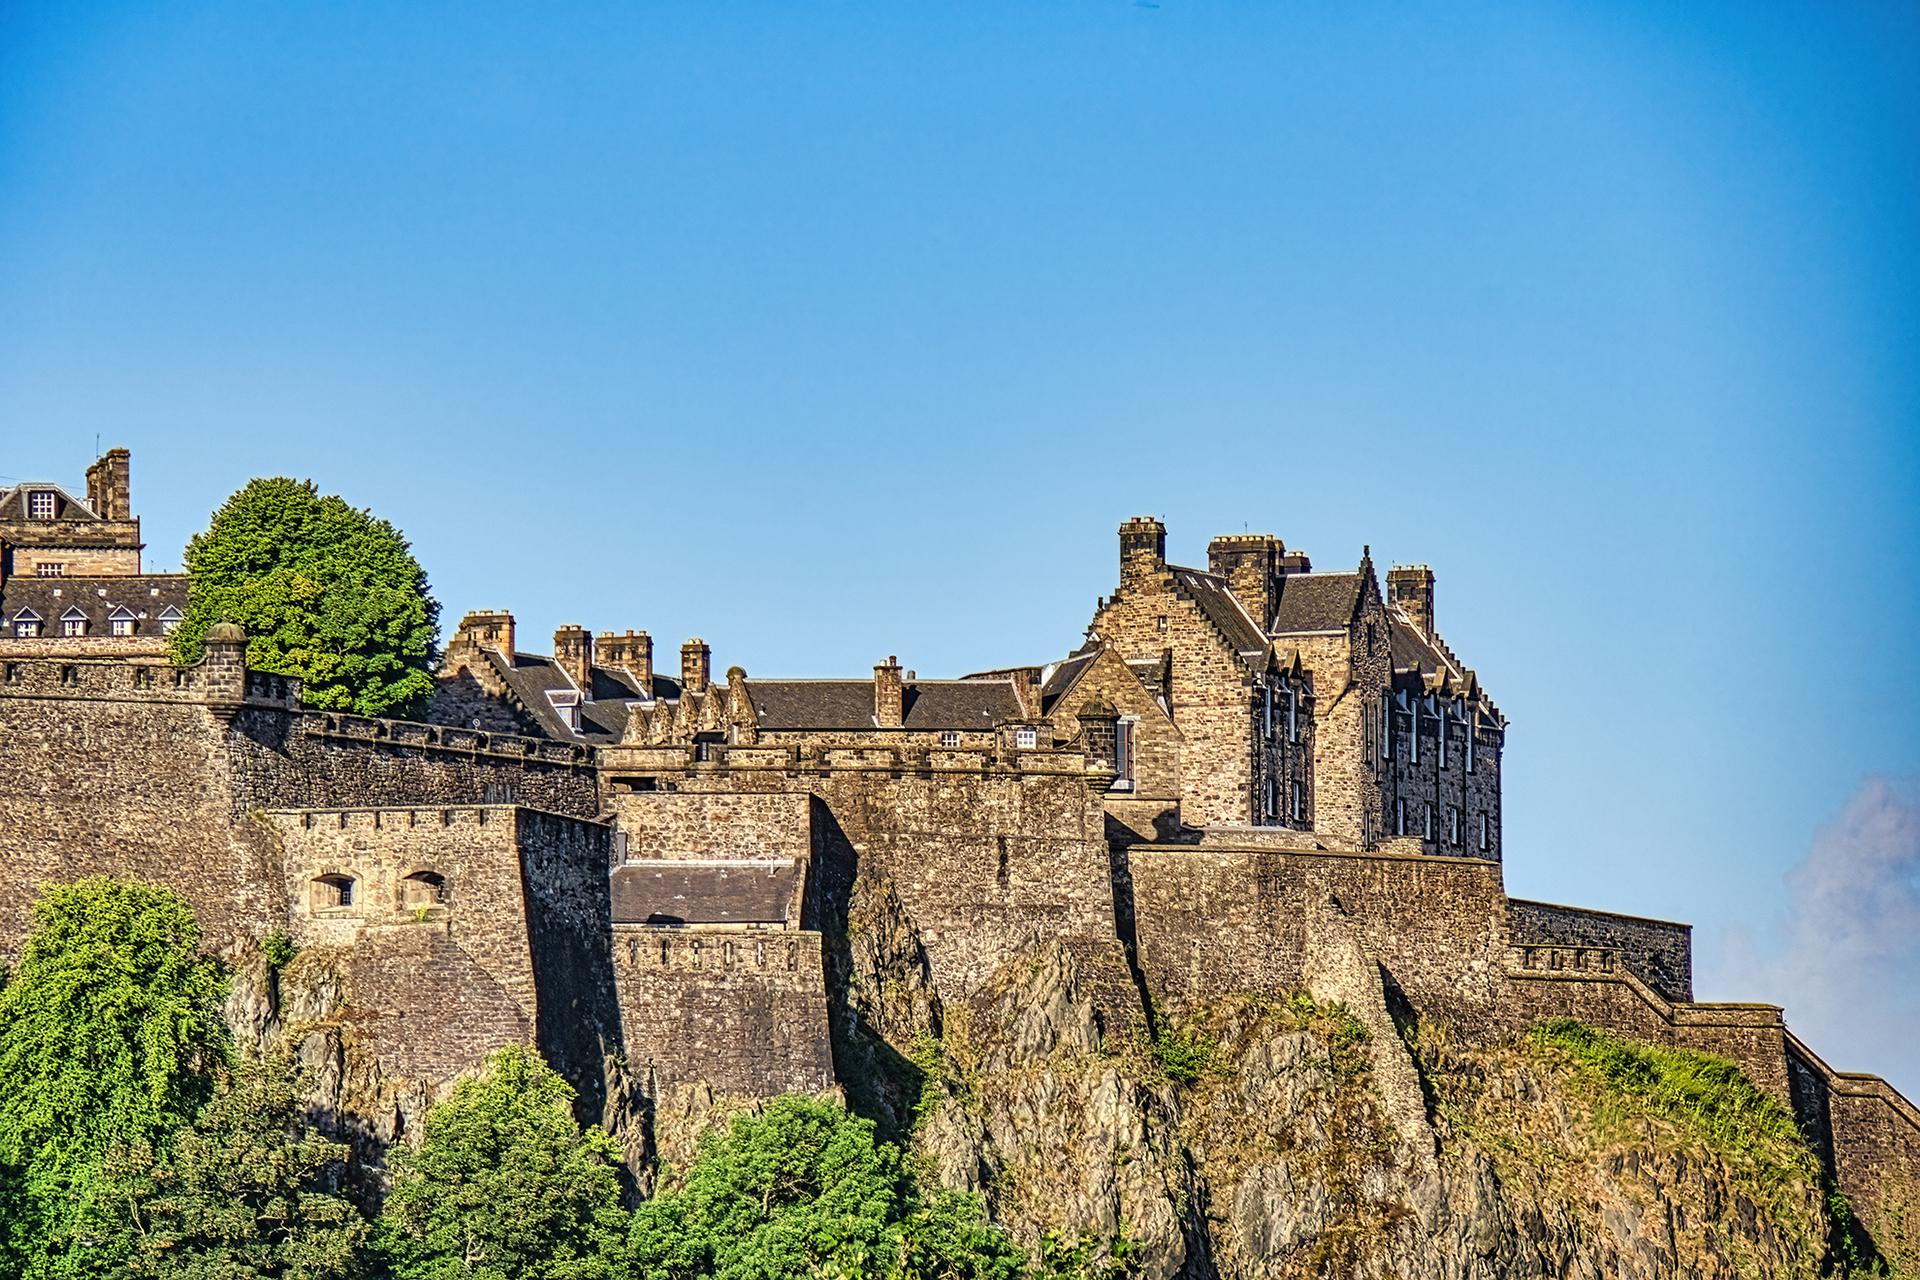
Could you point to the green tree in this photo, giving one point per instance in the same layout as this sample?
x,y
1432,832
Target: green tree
x,y
324,591
505,1185
109,1027
240,1194
805,1190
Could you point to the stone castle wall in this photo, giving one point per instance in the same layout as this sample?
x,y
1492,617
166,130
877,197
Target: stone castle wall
x,y
742,1009
1659,951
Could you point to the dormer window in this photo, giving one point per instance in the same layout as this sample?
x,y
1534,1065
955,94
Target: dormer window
x,y
48,569
41,504
169,620
26,625
122,622
566,704
73,622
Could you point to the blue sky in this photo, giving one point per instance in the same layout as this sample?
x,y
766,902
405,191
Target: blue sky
x,y
838,330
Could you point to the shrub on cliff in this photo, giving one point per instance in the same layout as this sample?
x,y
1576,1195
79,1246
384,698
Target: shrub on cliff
x,y
505,1185
108,1028
242,1191
325,592
804,1189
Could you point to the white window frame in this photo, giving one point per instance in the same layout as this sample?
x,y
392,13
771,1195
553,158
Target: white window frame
x,y
42,504
1272,805
73,624
1299,800
1453,825
1026,737
1486,834
50,569
121,626
1293,714
169,620
949,737
1123,752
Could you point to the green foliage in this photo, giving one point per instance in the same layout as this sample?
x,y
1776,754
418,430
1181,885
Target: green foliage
x,y
1084,1257
108,1030
1185,1054
505,1186
325,592
805,1189
240,1193
278,949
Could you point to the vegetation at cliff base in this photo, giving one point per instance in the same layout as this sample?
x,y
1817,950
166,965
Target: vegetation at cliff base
x,y
110,1030
325,592
505,1184
805,1189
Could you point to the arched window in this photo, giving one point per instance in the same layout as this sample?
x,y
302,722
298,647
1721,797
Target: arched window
x,y
423,889
332,891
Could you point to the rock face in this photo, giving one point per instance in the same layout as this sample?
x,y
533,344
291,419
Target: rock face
x,y
1277,1139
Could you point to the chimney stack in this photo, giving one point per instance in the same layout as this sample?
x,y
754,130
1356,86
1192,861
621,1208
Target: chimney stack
x,y
696,666
1410,589
573,653
109,485
1143,548
889,695
490,628
1252,564
632,652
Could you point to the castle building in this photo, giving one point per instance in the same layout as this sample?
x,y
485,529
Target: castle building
x,y
668,881
70,579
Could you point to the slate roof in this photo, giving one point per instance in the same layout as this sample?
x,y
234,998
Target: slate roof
x,y
1315,602
848,704
532,676
1222,608
13,503
1412,649
671,892
1062,676
146,596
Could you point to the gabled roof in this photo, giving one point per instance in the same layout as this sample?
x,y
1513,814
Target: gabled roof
x,y
675,892
13,502
1316,602
848,704
1222,608
532,677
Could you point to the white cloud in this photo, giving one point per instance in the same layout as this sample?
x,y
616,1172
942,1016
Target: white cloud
x,y
1846,960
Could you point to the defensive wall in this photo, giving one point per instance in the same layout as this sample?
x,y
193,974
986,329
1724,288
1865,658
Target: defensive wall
x,y
1659,951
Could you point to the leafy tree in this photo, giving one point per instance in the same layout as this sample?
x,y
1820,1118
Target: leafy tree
x,y
505,1185
805,1190
325,592
240,1195
108,1027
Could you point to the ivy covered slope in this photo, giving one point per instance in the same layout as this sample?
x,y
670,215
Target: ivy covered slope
x,y
1302,1137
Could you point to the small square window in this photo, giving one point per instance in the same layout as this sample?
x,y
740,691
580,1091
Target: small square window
x,y
950,738
48,569
122,626
1161,622
40,504
1026,736
73,626
26,630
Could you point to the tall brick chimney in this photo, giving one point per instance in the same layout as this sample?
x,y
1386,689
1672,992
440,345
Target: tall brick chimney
x,y
573,653
1410,588
1251,564
632,651
889,694
1143,548
696,666
110,485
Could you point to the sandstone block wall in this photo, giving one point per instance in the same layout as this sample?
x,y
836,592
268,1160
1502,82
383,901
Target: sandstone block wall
x,y
1210,923
1659,951
712,824
744,1010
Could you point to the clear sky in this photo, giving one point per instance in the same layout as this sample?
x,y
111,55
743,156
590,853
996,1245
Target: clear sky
x,y
836,330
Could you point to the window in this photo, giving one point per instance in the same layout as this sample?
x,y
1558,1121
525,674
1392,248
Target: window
x,y
1299,803
1400,817
1386,730
1272,807
1266,713
1161,622
950,738
423,889
1413,719
332,891
1026,737
26,628
1426,821
1369,637
1453,824
73,623
1486,834
1473,731
47,569
121,626
1123,755
1293,714
1441,719
40,504
169,620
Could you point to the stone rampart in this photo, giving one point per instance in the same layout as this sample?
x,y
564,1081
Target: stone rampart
x,y
742,1009
1659,951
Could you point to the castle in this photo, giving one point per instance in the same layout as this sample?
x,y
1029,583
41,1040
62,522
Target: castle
x,y
665,872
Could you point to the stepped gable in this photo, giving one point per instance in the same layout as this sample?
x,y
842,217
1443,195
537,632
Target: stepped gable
x,y
1217,602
